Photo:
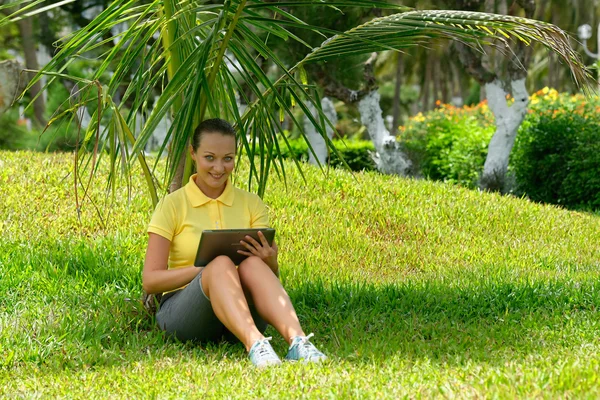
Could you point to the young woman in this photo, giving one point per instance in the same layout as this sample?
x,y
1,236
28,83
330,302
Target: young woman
x,y
221,300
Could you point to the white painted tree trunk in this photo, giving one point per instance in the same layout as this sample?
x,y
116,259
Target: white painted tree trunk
x,y
314,138
388,158
508,120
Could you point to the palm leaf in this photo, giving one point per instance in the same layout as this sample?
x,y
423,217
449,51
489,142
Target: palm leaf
x,y
188,63
395,31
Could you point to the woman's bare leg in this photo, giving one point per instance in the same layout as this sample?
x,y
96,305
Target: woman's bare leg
x,y
221,284
270,298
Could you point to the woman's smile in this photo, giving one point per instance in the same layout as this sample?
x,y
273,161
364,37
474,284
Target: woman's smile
x,y
215,160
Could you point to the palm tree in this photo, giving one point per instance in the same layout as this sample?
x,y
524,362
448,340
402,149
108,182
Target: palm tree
x,y
205,55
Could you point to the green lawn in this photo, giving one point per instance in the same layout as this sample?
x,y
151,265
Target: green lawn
x,y
414,289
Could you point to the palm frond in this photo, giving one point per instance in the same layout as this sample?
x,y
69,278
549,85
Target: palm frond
x,y
181,49
398,30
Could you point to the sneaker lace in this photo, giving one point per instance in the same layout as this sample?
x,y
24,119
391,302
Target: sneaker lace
x,y
262,351
308,347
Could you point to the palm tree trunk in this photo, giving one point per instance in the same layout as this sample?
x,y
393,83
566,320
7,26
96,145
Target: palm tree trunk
x,y
177,181
170,42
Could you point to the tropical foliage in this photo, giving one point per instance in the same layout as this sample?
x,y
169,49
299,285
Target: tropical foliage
x,y
556,157
449,143
202,59
355,154
557,152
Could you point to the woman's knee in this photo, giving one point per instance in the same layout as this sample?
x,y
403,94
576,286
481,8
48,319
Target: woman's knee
x,y
218,269
252,267
220,263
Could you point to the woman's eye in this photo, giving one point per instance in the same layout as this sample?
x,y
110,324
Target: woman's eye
x,y
209,158
228,158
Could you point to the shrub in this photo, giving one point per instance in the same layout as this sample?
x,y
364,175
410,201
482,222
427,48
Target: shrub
x,y
556,158
356,153
449,143
61,135
13,135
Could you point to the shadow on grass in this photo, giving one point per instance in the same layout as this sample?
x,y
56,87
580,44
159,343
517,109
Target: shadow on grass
x,y
91,316
491,322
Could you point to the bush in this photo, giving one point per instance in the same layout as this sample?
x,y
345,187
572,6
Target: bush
x,y
449,143
556,158
60,137
62,134
356,153
13,135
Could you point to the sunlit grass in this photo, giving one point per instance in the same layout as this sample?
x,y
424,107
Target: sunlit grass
x,y
413,289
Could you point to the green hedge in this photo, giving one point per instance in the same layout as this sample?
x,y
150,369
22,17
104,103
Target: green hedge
x,y
356,153
556,158
449,143
13,135
59,136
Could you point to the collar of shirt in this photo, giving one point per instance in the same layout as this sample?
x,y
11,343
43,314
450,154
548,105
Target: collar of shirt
x,y
198,198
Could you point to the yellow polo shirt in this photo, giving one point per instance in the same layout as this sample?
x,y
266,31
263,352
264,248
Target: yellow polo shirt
x,y
181,217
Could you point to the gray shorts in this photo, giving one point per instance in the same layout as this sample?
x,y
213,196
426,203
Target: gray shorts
x,y
187,314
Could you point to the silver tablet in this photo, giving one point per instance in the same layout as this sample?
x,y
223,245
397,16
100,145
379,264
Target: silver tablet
x,y
226,242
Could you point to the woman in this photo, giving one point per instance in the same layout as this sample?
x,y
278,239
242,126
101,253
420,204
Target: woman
x,y
221,299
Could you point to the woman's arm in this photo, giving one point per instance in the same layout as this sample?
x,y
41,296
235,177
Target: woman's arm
x,y
156,278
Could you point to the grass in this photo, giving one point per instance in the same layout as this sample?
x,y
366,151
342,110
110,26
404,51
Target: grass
x,y
414,289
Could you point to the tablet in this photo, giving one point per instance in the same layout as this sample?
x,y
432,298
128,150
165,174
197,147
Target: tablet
x,y
226,242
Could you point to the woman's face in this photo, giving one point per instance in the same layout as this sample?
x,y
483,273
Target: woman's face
x,y
215,160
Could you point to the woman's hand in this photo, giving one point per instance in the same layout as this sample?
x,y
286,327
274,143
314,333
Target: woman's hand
x,y
262,250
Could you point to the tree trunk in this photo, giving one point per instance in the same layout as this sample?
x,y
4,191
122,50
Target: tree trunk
x,y
508,120
314,138
459,92
29,46
426,84
10,83
389,158
446,84
177,181
397,91
553,64
436,80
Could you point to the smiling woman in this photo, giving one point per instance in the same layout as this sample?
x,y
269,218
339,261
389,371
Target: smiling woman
x,y
221,300
213,152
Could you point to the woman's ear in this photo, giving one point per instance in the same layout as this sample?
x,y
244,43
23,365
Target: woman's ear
x,y
192,153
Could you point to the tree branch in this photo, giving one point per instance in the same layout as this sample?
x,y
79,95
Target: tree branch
x,y
347,95
473,63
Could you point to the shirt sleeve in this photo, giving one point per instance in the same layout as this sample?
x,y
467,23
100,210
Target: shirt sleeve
x,y
259,217
163,220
